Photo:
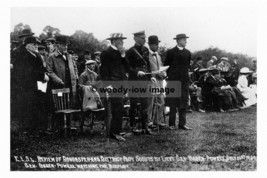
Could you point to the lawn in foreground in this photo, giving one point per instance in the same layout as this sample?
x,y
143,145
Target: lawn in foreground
x,y
213,135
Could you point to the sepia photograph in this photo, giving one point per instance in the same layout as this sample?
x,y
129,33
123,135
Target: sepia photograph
x,y
133,88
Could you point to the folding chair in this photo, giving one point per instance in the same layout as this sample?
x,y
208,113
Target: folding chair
x,y
61,99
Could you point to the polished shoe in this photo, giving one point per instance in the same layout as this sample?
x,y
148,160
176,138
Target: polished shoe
x,y
152,126
189,111
148,132
184,127
201,110
232,110
136,131
122,134
221,110
172,128
161,125
118,137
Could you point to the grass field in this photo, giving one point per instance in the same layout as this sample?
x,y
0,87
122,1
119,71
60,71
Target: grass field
x,y
230,134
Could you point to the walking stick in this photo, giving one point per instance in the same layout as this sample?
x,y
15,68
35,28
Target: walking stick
x,y
108,117
157,111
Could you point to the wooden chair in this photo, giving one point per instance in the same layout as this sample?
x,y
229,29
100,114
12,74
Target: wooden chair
x,y
90,113
61,98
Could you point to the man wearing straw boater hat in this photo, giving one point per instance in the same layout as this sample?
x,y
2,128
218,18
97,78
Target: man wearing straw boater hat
x,y
113,74
178,58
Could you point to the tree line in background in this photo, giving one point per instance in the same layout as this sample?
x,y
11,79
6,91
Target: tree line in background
x,y
81,41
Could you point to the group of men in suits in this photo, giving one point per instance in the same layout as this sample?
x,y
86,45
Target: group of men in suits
x,y
142,65
139,66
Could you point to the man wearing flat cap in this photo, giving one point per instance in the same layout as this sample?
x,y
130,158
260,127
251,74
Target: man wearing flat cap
x,y
178,60
97,59
51,45
43,54
28,69
89,77
113,74
81,63
62,69
138,62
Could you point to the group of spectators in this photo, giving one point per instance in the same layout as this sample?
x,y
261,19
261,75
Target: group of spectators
x,y
219,86
222,86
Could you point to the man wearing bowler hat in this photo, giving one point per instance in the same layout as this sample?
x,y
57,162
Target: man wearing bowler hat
x,y
113,74
178,60
157,97
16,53
138,62
62,68
28,69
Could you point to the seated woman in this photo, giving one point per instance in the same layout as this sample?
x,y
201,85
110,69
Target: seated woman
x,y
247,91
226,97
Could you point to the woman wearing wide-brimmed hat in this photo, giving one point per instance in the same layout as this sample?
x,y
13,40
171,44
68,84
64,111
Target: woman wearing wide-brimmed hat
x,y
246,90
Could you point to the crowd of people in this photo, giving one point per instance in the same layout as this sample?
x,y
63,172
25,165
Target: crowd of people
x,y
219,86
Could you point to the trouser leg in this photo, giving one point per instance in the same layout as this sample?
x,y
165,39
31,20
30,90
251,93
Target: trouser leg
x,y
133,111
182,117
144,112
117,113
172,116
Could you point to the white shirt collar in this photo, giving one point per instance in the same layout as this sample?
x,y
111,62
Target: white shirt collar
x,y
114,47
89,70
181,48
31,53
152,52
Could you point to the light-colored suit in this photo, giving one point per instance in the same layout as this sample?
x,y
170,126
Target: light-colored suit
x,y
155,64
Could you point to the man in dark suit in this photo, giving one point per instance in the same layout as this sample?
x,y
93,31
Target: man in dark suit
x,y
138,62
178,60
113,74
28,69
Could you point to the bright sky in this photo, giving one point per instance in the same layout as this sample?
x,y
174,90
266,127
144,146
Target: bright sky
x,y
230,28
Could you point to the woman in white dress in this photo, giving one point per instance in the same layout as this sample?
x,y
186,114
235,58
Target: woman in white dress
x,y
247,91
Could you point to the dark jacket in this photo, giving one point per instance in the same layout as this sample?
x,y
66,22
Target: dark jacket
x,y
179,62
137,63
28,69
113,67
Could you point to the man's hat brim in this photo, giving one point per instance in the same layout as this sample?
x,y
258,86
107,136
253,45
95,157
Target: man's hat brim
x,y
122,38
180,38
25,35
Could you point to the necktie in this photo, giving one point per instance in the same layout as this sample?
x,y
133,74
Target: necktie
x,y
155,55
